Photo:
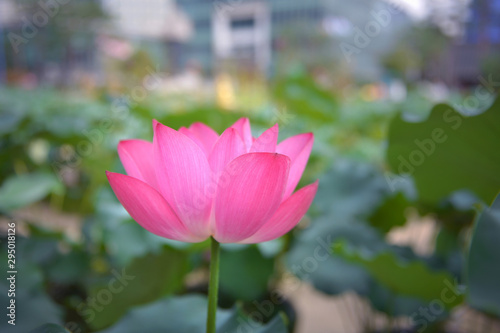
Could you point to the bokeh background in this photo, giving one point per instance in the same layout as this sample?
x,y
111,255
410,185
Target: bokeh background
x,y
403,234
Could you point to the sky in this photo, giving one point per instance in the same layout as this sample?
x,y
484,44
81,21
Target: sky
x,y
415,8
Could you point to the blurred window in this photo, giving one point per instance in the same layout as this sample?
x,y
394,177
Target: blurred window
x,y
293,14
243,23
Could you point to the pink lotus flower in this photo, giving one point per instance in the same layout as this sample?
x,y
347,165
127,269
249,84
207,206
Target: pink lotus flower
x,y
191,184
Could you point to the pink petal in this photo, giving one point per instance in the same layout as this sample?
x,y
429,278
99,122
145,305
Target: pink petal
x,y
149,208
183,173
205,135
137,159
204,132
244,130
298,148
267,141
227,148
249,191
287,216
193,137
190,134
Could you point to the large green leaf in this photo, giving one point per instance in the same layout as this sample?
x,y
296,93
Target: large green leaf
x,y
351,190
412,278
9,120
69,268
187,314
244,273
305,98
144,280
348,196
483,269
129,240
49,328
22,190
448,152
334,274
308,258
33,308
238,322
391,213
33,304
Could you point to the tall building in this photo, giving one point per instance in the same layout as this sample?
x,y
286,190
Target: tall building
x,y
480,48
155,21
268,35
484,23
243,31
476,52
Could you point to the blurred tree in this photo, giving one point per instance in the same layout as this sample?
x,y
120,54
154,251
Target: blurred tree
x,y
47,33
490,64
2,57
420,46
449,15
295,43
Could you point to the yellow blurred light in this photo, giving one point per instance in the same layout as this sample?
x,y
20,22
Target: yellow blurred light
x,y
224,90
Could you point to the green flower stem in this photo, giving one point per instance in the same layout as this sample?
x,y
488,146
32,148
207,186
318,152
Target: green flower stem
x,y
213,288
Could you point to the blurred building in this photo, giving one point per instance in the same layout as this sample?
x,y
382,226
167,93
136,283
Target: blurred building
x,y
255,33
243,31
257,36
48,42
476,52
7,17
156,21
58,43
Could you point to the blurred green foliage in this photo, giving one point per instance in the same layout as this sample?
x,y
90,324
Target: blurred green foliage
x,y
483,272
188,314
55,147
412,279
442,152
